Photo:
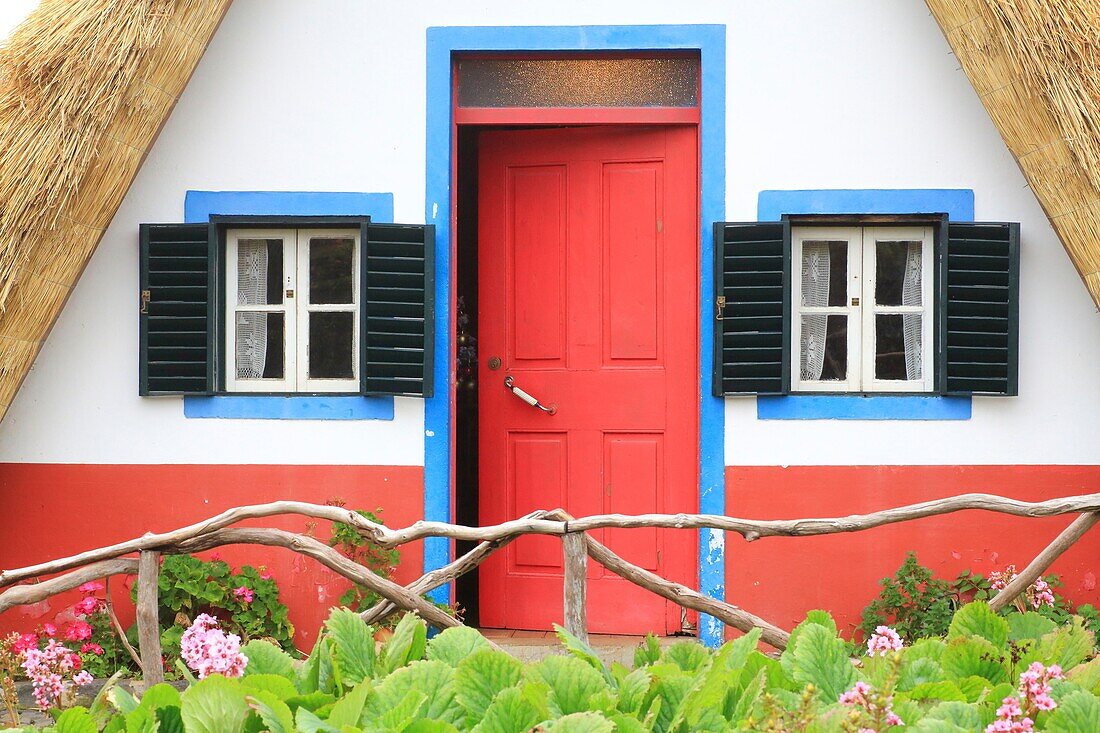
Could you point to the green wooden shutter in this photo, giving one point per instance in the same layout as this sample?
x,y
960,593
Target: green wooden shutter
x,y
979,309
398,320
177,308
752,288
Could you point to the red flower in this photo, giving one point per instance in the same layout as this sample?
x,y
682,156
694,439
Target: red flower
x,y
77,662
244,593
49,630
25,642
87,605
90,588
78,631
90,647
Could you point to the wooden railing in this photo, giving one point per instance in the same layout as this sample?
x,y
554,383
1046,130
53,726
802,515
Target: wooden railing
x,y
577,547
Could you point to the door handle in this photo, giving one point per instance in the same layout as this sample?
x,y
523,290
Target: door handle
x,y
528,398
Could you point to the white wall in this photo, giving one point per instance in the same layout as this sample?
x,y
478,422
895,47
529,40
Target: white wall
x,y
329,95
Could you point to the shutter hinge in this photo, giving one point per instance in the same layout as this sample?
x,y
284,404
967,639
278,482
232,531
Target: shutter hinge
x,y
144,301
719,306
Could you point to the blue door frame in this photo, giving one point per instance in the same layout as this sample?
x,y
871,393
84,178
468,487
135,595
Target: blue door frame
x,y
442,44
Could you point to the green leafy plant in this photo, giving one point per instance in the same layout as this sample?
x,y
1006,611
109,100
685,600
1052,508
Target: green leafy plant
x,y
379,560
1021,670
245,601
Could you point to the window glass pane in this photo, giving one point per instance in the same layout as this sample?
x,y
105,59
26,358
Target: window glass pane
x,y
898,346
824,347
330,270
824,273
330,345
259,343
898,273
259,271
579,82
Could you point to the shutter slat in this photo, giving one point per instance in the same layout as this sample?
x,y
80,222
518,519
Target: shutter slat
x,y
176,322
752,274
980,312
397,343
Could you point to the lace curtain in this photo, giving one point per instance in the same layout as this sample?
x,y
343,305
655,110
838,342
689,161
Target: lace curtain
x,y
816,268
911,322
251,351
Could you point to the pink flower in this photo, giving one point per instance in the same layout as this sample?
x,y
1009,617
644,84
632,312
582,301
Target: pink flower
x,y
1040,594
265,576
83,678
858,697
25,642
49,630
87,605
47,669
244,593
884,640
215,557
208,650
90,588
93,648
78,631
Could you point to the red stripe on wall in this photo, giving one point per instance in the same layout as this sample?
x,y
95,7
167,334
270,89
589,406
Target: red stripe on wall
x,y
780,578
55,510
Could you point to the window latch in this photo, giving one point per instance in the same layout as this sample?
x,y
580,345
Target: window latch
x,y
719,306
855,301
289,293
145,297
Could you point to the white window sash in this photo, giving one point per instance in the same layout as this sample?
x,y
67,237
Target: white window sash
x,y
871,235
305,384
232,383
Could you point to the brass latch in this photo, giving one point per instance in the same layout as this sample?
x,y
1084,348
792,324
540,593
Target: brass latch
x,y
719,304
144,301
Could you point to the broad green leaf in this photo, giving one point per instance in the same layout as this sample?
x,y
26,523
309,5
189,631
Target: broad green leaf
x,y
354,645
399,716
310,701
750,693
670,692
143,719
406,645
978,619
307,678
1067,646
1087,675
453,645
821,659
273,712
169,720
975,688
76,720
581,651
777,677
648,652
740,649
123,701
280,686
307,722
923,649
813,618
214,705
946,691
917,672
689,656
481,676
626,724
117,724
1076,713
973,655
1028,625
960,713
928,725
348,710
266,658
633,689
429,726
579,723
434,679
511,712
572,683
100,709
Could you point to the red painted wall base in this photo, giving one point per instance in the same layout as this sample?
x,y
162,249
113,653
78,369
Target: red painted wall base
x,y
51,510
781,578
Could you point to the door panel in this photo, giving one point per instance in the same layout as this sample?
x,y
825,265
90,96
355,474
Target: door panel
x,y
588,293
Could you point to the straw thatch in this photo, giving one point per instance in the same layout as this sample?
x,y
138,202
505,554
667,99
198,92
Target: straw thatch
x,y
1036,67
85,86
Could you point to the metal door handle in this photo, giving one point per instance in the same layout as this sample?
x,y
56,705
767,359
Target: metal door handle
x,y
529,399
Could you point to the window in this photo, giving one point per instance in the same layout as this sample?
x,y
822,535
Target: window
x,y
290,304
862,298
293,305
871,304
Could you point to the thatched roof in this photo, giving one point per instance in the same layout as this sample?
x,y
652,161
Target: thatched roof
x,y
85,86
1036,67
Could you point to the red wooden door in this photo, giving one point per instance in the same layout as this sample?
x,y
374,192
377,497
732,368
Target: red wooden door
x,y
587,294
